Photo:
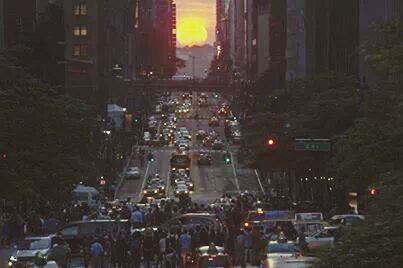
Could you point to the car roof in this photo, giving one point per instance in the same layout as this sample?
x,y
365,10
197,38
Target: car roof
x,y
40,237
99,221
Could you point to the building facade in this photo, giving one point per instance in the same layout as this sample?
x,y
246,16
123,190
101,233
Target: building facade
x,y
19,18
332,36
296,49
373,12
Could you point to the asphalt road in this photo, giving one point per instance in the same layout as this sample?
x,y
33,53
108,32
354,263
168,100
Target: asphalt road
x,y
210,181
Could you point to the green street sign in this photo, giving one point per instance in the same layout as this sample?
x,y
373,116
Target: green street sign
x,y
313,145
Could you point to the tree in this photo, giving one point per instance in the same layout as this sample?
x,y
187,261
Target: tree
x,y
46,137
370,154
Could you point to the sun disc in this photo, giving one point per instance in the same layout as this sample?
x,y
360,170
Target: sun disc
x,y
191,31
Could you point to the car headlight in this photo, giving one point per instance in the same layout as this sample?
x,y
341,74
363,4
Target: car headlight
x,y
173,168
191,184
163,188
145,192
155,191
177,192
186,192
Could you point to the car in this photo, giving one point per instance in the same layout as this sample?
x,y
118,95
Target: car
x,y
147,137
214,122
185,134
183,147
181,189
133,173
286,255
323,238
346,219
43,249
204,159
218,145
204,257
201,134
190,220
207,142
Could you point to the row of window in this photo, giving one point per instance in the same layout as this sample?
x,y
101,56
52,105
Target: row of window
x,y
80,50
80,9
80,30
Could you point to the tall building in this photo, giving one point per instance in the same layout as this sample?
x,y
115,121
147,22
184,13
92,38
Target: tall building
x,y
98,36
19,17
296,47
332,36
2,24
374,12
237,38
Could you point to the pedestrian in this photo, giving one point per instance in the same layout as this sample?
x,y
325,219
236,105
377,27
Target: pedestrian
x,y
137,218
148,247
121,250
248,244
239,249
185,241
256,243
135,249
162,249
107,245
303,245
96,251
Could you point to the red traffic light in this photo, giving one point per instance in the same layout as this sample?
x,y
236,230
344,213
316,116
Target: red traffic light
x,y
373,191
271,141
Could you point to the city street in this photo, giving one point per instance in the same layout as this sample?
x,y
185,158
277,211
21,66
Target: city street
x,y
212,181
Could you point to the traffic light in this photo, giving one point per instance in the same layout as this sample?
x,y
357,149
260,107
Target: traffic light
x,y
150,157
227,158
271,142
373,191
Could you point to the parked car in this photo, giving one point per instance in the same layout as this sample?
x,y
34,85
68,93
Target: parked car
x,y
35,249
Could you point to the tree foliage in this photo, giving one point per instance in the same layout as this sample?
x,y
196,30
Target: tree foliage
x,y
370,153
44,138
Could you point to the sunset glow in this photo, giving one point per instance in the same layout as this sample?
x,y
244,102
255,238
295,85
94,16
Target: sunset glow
x,y
191,31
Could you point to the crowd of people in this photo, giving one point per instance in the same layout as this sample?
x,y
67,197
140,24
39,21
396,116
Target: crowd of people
x,y
149,242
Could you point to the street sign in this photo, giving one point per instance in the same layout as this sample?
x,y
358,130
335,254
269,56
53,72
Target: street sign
x,y
313,145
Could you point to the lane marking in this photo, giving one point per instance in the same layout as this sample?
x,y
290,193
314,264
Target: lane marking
x,y
260,183
234,172
144,180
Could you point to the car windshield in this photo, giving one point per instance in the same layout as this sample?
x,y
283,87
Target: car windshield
x,y
254,216
34,244
281,248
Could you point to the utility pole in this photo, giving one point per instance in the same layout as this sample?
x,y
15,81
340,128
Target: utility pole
x,y
193,65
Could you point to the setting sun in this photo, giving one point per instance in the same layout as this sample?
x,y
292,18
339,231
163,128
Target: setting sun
x,y
191,31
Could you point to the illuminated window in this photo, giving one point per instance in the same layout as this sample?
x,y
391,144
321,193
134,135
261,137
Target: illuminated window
x,y
80,30
80,50
80,9
76,51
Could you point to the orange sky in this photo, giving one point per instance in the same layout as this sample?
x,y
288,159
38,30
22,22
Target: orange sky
x,y
203,9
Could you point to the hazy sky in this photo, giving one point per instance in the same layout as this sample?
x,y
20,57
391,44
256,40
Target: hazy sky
x,y
203,9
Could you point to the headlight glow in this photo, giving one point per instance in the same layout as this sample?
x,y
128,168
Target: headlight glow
x,y
145,192
155,191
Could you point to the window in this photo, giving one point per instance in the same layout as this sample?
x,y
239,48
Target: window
x,y
80,50
80,30
80,9
70,231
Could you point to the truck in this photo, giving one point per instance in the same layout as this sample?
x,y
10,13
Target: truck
x,y
180,161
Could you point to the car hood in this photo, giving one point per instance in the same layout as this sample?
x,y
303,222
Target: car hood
x,y
28,253
280,255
